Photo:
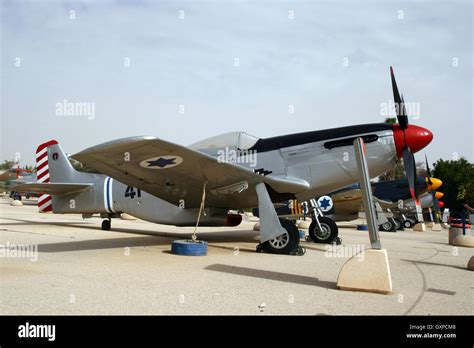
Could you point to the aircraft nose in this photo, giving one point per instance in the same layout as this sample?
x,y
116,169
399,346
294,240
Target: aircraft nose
x,y
439,195
415,137
435,184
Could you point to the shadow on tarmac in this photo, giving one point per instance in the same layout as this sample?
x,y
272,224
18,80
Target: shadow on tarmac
x,y
149,238
279,276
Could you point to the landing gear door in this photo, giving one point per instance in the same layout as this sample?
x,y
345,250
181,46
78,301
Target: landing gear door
x,y
379,214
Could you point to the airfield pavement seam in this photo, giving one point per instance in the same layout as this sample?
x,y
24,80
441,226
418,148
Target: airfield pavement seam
x,y
423,291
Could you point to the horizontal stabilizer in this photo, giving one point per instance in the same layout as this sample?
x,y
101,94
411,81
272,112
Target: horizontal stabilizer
x,y
50,188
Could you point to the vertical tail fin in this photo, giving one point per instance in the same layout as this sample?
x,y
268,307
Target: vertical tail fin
x,y
42,175
52,165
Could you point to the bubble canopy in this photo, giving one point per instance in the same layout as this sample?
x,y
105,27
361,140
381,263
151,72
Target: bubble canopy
x,y
233,140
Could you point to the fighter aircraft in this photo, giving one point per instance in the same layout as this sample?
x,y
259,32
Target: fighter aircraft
x,y
405,213
13,173
345,204
393,195
407,210
160,181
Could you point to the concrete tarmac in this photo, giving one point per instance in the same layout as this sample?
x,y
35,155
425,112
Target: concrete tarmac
x,y
80,269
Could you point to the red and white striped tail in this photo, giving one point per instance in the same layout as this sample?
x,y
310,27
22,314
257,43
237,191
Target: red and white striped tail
x,y
45,203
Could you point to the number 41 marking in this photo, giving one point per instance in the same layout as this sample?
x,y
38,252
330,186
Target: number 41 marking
x,y
130,192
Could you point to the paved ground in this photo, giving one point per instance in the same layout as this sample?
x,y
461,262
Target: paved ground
x,y
83,270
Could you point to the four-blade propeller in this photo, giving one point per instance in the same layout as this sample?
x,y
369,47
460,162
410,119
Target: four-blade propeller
x,y
402,117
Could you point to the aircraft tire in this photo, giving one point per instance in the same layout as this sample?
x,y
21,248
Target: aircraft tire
x,y
286,243
408,224
106,225
329,233
398,224
394,225
188,247
386,226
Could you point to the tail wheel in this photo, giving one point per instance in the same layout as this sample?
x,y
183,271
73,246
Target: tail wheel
x,y
106,225
328,232
286,243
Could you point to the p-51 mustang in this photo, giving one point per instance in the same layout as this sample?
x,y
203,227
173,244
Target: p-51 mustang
x,y
232,171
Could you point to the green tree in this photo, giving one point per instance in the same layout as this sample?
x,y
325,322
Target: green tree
x,y
11,164
7,164
391,120
458,182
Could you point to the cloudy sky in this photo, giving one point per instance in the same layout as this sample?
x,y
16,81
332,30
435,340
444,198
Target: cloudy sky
x,y
187,70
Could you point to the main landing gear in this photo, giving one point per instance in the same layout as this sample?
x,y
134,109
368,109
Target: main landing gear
x,y
398,223
322,229
277,235
390,225
409,223
285,243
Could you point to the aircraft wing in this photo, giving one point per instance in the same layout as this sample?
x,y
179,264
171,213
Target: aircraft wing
x,y
348,202
351,201
386,204
177,173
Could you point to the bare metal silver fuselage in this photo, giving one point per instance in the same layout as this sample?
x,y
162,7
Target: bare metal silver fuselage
x,y
108,196
323,169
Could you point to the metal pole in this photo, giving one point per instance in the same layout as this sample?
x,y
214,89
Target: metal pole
x,y
364,180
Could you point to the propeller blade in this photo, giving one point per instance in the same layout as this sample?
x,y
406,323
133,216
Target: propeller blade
x,y
399,105
427,167
403,110
396,94
410,170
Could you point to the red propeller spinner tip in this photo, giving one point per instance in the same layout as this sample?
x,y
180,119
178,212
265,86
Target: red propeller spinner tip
x,y
415,137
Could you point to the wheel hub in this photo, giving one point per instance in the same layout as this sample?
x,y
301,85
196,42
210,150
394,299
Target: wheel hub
x,y
280,242
324,233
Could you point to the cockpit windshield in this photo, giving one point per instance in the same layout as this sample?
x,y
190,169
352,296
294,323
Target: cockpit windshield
x,y
232,140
